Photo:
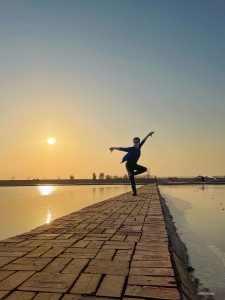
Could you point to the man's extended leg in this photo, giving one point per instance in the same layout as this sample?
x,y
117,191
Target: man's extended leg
x,y
140,169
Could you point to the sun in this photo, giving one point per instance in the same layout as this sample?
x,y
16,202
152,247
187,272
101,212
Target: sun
x,y
51,141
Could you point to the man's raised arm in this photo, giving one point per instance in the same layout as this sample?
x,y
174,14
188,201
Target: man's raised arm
x,y
150,134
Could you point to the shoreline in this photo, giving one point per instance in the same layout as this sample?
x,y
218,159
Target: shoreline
x,y
126,181
36,182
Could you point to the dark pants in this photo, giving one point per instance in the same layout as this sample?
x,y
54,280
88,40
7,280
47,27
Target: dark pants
x,y
131,167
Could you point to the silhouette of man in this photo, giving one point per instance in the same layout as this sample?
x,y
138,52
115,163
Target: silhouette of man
x,y
131,158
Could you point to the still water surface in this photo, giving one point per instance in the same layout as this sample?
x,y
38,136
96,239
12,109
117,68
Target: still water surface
x,y
199,215
25,208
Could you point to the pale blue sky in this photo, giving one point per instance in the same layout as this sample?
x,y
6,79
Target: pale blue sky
x,y
113,70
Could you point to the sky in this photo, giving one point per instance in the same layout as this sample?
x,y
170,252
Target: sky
x,y
94,74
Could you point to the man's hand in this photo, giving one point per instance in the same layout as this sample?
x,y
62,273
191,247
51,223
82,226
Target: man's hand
x,y
111,149
151,133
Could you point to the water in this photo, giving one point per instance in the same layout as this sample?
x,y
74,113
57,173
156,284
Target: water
x,y
25,208
199,217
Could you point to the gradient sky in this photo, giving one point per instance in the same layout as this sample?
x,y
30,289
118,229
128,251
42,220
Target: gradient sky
x,y
95,73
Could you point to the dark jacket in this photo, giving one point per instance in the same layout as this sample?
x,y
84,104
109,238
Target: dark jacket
x,y
129,150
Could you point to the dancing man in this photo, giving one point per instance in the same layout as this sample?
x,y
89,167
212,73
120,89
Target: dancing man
x,y
131,158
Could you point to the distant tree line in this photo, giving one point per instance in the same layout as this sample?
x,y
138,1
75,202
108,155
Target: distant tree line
x,y
102,175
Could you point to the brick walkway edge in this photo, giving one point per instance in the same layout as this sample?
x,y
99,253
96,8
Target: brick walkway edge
x,y
115,249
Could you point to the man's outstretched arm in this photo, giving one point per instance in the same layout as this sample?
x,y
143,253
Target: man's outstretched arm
x,y
119,148
114,148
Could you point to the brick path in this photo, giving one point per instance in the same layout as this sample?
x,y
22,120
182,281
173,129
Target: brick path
x,y
114,249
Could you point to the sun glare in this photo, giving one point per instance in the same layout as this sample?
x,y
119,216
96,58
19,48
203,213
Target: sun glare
x,y
45,190
51,141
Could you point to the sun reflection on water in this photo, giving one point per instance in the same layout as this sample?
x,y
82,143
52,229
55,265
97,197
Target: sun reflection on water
x,y
45,189
48,220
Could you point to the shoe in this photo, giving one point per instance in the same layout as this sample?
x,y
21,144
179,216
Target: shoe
x,y
135,194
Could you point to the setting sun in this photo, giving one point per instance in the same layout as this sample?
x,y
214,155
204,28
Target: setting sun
x,y
51,141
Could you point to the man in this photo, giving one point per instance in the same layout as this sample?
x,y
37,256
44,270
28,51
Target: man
x,y
131,158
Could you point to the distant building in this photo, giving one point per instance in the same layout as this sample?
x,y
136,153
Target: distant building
x,y
172,179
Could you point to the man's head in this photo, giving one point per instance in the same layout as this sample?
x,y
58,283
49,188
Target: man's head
x,y
136,141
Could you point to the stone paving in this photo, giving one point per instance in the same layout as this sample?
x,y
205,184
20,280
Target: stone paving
x,y
114,249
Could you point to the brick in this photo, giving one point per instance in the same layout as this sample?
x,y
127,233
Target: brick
x,y
61,243
17,295
4,247
57,265
17,253
150,264
98,237
5,274
152,271
38,252
152,292
45,282
105,254
47,296
123,255
12,240
24,243
36,243
119,245
75,297
151,256
64,236
86,284
151,246
81,244
28,264
4,294
13,281
152,280
80,252
95,244
118,237
126,298
131,238
46,236
111,286
97,230
110,230
76,266
108,267
55,251
24,249
129,232
5,260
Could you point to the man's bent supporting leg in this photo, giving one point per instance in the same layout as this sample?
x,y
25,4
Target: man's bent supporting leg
x,y
131,173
